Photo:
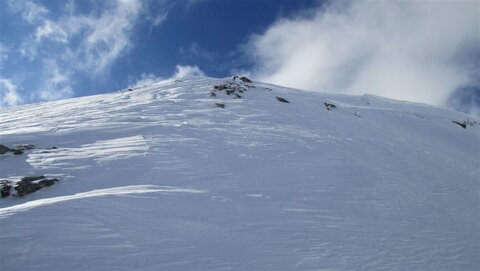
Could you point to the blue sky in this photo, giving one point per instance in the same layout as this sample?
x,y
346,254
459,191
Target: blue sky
x,y
410,50
56,49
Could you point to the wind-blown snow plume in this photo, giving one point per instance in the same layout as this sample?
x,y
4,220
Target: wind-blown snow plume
x,y
411,50
181,71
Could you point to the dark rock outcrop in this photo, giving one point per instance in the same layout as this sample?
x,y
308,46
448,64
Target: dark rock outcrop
x,y
4,149
47,182
24,147
28,185
365,100
17,149
245,80
280,99
17,152
461,124
329,106
220,105
5,188
220,87
230,89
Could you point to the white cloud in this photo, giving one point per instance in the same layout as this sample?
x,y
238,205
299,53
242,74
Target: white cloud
x,y
30,11
34,12
195,51
404,50
57,83
90,43
77,43
71,43
109,35
50,30
157,19
8,93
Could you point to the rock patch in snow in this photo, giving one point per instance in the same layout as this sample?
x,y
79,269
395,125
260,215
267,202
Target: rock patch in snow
x,y
461,124
245,80
25,186
4,149
17,149
329,106
230,88
465,123
5,188
29,185
280,99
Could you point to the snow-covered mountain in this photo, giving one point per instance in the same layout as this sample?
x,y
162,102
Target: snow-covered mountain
x,y
220,174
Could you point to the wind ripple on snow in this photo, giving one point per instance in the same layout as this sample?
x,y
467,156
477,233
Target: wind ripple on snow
x,y
100,151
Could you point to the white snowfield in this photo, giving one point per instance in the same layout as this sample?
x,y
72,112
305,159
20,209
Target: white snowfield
x,y
161,178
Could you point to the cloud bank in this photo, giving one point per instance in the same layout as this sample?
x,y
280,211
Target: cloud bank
x,y
409,50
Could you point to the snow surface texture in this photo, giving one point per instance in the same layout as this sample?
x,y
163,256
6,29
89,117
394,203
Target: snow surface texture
x,y
160,178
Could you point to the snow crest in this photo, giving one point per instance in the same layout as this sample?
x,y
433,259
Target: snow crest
x,y
115,191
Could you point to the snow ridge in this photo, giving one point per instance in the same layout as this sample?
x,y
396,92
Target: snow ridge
x,y
115,191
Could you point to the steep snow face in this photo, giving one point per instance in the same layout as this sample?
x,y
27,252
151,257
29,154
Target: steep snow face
x,y
164,178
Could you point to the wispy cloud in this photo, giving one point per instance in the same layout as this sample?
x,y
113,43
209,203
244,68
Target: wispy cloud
x,y
30,11
409,50
76,42
8,93
56,84
157,19
91,42
4,50
196,52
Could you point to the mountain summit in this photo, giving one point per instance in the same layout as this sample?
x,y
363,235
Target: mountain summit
x,y
225,174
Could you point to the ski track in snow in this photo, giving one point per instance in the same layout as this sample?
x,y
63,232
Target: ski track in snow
x,y
116,191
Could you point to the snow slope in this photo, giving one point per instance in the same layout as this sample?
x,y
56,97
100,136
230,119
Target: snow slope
x,y
160,178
